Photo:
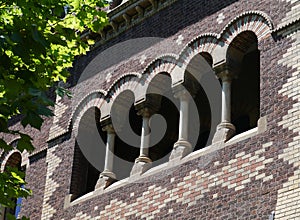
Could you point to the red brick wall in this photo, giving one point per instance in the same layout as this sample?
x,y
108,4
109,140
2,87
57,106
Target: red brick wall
x,y
242,180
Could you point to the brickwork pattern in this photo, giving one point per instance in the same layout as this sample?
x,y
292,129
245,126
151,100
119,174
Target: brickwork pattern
x,y
50,186
59,111
246,180
288,204
189,28
36,177
293,14
243,169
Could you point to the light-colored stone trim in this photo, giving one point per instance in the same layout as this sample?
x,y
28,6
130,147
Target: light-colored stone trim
x,y
262,127
287,206
255,21
51,185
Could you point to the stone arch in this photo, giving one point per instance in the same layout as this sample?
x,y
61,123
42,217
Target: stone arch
x,y
255,21
94,99
120,81
11,159
5,155
126,82
216,44
203,43
89,152
163,64
243,60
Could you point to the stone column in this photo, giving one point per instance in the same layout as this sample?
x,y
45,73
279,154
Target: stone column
x,y
182,147
107,176
225,130
143,162
145,137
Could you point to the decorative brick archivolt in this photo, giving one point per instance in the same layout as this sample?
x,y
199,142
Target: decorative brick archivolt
x,y
203,43
175,65
163,64
122,81
127,82
5,155
217,44
94,99
255,21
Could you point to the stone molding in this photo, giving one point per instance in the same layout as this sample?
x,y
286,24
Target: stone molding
x,y
171,164
255,21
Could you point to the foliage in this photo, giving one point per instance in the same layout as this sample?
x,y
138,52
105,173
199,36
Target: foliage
x,y
11,183
38,42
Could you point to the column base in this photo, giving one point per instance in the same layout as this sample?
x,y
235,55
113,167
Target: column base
x,y
106,178
141,165
224,132
181,149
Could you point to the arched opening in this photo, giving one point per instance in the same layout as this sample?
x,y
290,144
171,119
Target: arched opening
x,y
200,81
14,161
127,124
164,123
89,154
244,60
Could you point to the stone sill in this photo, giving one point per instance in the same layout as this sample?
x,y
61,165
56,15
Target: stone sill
x,y
261,128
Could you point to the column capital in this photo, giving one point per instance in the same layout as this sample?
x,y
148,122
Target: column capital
x,y
225,72
181,93
108,128
148,107
145,112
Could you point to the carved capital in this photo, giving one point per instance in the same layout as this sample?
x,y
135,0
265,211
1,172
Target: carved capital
x,y
148,107
181,93
145,112
108,128
225,72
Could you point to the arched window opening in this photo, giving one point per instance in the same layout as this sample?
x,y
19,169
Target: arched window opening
x,y
14,161
197,81
89,154
208,58
199,130
159,152
127,125
245,56
165,121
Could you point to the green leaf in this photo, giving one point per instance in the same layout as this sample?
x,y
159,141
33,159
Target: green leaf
x,y
5,146
17,177
38,43
24,143
32,119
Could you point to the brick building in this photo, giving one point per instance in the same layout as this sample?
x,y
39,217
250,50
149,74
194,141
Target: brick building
x,y
236,156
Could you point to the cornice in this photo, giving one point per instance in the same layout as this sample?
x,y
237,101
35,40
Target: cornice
x,y
129,14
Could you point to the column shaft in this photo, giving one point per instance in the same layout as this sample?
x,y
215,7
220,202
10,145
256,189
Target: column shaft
x,y
226,101
109,155
145,138
182,147
225,129
183,119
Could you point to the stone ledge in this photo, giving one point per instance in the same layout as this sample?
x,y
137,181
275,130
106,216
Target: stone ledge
x,y
261,127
